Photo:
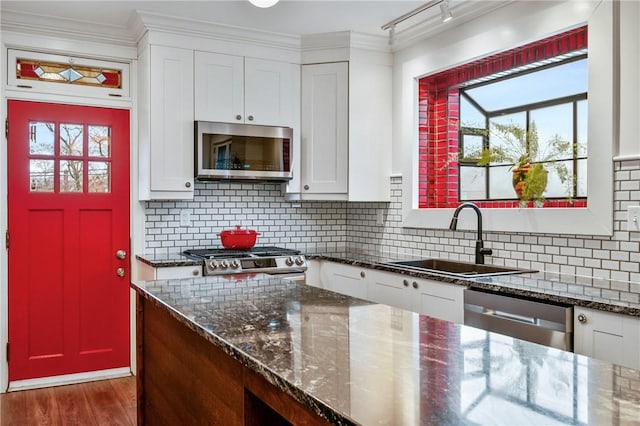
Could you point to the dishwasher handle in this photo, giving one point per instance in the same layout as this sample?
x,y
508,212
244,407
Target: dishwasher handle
x,y
510,316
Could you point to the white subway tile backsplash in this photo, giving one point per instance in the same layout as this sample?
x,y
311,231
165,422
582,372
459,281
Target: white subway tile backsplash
x,y
336,225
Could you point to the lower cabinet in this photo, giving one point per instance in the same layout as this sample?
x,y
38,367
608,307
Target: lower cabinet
x,y
439,300
147,272
429,297
344,279
434,298
607,336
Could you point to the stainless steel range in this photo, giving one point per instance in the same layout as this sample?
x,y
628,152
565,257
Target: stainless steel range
x,y
268,260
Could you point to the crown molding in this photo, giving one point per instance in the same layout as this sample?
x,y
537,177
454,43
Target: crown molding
x,y
345,39
45,25
148,21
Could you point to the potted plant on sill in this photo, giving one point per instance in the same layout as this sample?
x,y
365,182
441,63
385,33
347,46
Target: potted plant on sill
x,y
530,164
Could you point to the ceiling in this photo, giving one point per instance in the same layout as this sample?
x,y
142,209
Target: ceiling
x,y
294,17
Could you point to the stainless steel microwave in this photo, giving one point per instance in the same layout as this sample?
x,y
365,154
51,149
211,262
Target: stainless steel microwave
x,y
242,151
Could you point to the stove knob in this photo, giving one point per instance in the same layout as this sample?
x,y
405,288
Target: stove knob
x,y
224,264
234,264
212,265
289,261
299,260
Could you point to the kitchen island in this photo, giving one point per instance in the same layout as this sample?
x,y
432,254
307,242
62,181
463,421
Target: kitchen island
x,y
234,349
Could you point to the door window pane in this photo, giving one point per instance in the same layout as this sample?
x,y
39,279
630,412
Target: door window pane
x,y
41,175
41,137
99,141
99,176
70,176
71,139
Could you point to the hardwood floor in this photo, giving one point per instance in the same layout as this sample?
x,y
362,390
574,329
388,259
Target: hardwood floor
x,y
106,402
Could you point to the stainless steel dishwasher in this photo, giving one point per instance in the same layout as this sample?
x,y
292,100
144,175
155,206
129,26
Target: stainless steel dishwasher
x,y
549,324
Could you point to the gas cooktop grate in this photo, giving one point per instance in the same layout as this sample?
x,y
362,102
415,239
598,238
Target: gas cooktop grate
x,y
222,253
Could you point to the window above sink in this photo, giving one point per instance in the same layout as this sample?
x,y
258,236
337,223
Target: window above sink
x,y
507,115
500,32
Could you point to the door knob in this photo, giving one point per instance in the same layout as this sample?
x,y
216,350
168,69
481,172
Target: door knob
x,y
120,272
582,318
121,254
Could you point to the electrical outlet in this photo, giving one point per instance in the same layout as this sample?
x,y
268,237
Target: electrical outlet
x,y
185,217
633,218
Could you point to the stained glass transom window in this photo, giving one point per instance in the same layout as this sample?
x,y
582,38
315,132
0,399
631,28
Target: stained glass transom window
x,y
58,72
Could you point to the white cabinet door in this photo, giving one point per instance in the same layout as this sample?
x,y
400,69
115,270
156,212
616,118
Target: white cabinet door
x,y
344,279
607,336
312,275
166,123
235,89
147,272
439,300
346,129
219,87
324,123
390,289
269,92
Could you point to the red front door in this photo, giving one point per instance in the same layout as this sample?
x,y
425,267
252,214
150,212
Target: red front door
x,y
68,185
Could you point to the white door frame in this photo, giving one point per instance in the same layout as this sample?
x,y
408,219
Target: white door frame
x,y
76,48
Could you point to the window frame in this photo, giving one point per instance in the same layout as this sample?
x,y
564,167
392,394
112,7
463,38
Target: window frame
x,y
594,219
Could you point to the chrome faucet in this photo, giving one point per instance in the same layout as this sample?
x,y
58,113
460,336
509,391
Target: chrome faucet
x,y
480,250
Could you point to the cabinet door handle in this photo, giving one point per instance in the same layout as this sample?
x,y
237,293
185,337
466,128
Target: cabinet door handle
x,y
196,272
405,283
120,272
415,284
362,274
121,254
306,187
250,118
187,184
238,117
582,318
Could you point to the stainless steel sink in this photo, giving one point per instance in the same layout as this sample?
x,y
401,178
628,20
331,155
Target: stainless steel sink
x,y
459,269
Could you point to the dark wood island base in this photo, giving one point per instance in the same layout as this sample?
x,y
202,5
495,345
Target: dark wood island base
x,y
185,379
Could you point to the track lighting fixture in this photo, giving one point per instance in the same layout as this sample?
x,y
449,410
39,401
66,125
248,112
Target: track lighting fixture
x,y
445,12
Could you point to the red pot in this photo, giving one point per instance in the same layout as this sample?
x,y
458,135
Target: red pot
x,y
238,239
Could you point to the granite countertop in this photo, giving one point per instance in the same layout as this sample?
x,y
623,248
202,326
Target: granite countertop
x,y
167,260
587,292
355,362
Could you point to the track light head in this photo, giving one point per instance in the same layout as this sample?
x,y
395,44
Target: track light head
x,y
445,12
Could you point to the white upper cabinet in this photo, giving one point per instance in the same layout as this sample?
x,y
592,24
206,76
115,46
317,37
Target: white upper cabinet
x,y
345,122
324,116
166,123
235,89
219,87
